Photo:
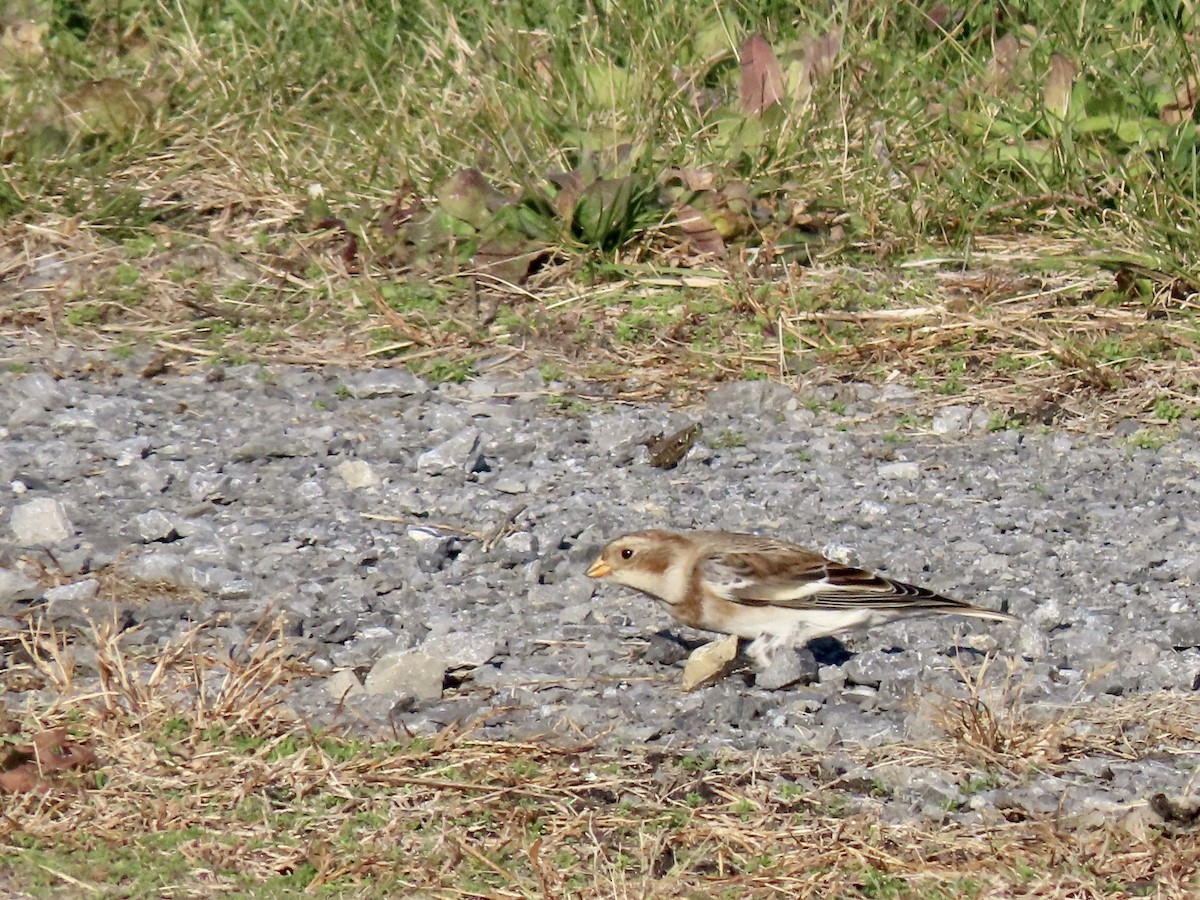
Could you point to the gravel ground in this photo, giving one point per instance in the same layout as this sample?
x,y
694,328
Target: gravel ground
x,y
252,489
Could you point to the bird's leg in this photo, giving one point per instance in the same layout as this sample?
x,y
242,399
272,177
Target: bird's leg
x,y
762,648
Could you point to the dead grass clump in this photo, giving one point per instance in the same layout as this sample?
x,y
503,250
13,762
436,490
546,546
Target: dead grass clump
x,y
200,779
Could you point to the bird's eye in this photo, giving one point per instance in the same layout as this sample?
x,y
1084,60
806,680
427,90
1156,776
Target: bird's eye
x,y
627,553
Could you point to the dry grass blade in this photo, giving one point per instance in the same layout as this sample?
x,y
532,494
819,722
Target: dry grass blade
x,y
197,750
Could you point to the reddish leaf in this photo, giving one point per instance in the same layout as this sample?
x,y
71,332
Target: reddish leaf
x,y
762,79
22,780
570,186
1004,60
22,767
1059,81
470,197
508,258
821,55
699,231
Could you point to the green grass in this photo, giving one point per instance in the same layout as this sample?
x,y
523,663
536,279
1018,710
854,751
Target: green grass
x,y
422,178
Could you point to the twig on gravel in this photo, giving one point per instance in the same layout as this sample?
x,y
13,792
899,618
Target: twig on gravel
x,y
487,539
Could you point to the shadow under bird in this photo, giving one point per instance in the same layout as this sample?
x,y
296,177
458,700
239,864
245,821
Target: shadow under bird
x,y
774,593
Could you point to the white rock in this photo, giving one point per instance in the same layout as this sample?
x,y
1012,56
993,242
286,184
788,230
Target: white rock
x,y
343,684
900,470
154,525
412,672
460,453
79,592
358,474
710,663
951,420
459,649
16,586
40,522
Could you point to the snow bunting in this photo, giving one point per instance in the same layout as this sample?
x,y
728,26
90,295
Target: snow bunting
x,y
772,592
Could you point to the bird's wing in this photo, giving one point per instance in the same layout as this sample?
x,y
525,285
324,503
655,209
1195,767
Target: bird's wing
x,y
783,575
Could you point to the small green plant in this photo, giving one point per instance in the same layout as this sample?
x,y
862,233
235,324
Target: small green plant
x,y
571,406
551,372
525,768
1167,410
790,792
727,439
1001,422
978,783
126,275
953,382
84,314
1150,438
448,369
697,762
743,808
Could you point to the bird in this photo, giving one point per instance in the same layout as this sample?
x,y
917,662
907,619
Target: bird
x,y
772,592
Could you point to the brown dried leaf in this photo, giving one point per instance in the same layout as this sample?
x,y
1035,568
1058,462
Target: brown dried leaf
x,y
694,179
570,186
821,56
1004,60
699,230
667,452
22,780
507,258
762,78
22,766
1059,82
55,753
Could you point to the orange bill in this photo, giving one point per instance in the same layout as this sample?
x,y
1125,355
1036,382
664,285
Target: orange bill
x,y
599,569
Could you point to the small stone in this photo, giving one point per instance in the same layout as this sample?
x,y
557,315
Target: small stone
x,y
78,592
343,684
460,453
900,471
43,388
749,398
1184,630
868,668
412,672
710,663
40,522
461,649
951,420
576,613
384,383
159,565
519,547
27,412
789,667
665,650
16,587
271,446
154,526
358,474
510,486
